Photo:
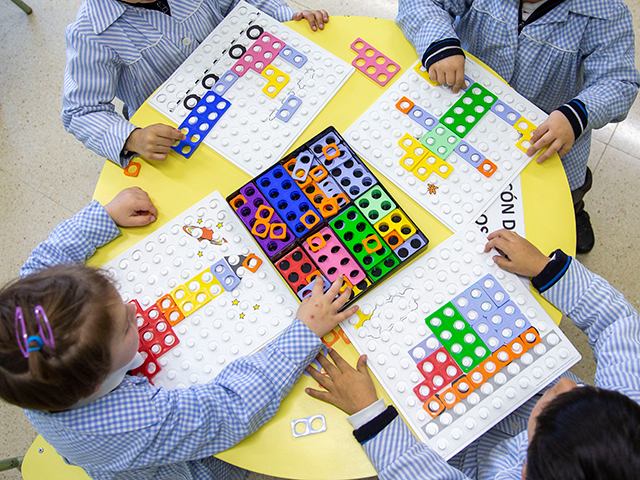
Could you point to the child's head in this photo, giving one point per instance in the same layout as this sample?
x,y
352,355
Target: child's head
x,y
94,334
584,433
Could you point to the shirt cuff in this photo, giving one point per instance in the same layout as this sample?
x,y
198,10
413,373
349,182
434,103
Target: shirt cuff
x,y
298,343
576,113
113,142
375,426
553,272
96,224
284,14
440,50
367,414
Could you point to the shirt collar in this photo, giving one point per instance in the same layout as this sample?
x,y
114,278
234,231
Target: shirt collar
x,y
102,13
590,8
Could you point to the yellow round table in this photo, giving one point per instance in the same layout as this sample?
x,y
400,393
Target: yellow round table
x,y
178,183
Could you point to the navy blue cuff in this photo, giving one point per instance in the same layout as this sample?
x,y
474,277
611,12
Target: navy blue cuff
x,y
441,49
576,113
553,272
375,426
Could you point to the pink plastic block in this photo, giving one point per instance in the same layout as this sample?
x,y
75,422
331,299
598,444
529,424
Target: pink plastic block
x,y
334,259
373,63
263,51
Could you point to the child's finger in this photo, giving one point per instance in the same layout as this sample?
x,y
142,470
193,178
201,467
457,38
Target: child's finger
x,y
139,220
319,394
342,316
552,149
459,81
323,380
319,19
545,140
325,16
147,206
318,287
340,362
498,233
335,287
502,262
311,18
498,243
361,366
342,300
329,367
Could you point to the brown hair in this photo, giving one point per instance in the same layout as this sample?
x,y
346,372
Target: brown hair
x,y
78,301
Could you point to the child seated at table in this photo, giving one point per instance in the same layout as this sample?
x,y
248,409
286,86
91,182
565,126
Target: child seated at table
x,y
67,341
127,49
570,432
574,59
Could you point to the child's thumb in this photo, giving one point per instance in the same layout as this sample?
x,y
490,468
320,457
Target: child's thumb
x,y
362,365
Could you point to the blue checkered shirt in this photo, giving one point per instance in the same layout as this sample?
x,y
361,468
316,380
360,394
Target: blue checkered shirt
x,y
118,50
139,431
581,49
613,328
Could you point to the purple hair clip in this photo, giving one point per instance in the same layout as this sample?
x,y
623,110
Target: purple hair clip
x,y
41,339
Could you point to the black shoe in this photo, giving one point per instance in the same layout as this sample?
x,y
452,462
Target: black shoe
x,y
584,233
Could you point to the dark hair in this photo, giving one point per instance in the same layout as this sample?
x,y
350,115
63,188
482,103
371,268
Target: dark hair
x,y
587,433
77,301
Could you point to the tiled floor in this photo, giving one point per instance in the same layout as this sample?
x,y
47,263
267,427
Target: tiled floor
x,y
46,175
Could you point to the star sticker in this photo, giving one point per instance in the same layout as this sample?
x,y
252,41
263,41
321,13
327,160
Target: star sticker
x,y
235,302
256,307
199,220
200,254
431,188
242,315
219,225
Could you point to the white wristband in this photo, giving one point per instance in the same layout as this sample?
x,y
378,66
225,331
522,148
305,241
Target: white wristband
x,y
367,414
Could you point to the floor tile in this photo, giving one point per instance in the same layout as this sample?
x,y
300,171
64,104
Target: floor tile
x,y
16,436
597,148
627,134
371,8
605,133
613,206
27,224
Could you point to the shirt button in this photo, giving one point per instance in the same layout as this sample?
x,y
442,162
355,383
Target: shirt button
x,y
186,41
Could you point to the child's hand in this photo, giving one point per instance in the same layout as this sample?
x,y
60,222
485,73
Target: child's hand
x,y
518,255
555,131
348,389
315,17
153,142
319,311
132,207
449,72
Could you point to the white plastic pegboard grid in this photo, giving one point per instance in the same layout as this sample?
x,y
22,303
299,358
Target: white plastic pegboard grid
x,y
396,315
465,194
231,325
249,135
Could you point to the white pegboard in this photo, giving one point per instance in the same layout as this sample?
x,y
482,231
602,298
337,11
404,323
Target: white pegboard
x,y
231,325
397,313
249,135
460,198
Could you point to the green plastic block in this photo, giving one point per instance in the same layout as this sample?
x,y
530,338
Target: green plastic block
x,y
353,228
385,266
443,320
440,141
375,204
468,110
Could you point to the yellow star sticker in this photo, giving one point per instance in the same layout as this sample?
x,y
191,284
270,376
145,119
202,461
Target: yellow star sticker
x,y
219,225
242,315
235,302
200,254
256,307
199,220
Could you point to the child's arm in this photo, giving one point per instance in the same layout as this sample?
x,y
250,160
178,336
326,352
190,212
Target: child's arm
x,y
160,427
76,239
610,85
90,80
395,452
428,25
610,322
